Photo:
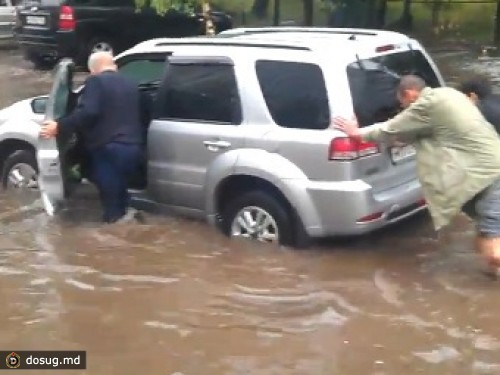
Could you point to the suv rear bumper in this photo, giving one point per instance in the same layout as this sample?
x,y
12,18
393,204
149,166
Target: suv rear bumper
x,y
353,208
62,44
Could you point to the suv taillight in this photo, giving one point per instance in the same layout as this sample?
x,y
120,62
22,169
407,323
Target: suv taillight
x,y
345,148
67,21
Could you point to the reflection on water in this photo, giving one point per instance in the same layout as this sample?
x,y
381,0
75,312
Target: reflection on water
x,y
461,64
175,297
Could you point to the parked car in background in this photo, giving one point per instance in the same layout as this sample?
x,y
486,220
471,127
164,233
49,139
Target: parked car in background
x,y
51,29
7,20
240,131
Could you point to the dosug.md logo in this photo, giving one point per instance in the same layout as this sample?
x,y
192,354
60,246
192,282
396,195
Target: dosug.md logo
x,y
13,360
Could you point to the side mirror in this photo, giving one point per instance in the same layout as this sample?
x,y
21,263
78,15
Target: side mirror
x,y
38,105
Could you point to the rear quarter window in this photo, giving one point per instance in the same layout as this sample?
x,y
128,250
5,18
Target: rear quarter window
x,y
295,94
373,83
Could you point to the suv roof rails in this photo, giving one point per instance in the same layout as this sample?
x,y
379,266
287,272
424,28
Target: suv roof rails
x,y
287,29
229,43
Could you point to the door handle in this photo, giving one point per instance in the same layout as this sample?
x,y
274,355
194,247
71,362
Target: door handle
x,y
216,145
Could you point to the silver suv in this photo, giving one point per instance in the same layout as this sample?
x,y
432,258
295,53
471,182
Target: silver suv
x,y
239,131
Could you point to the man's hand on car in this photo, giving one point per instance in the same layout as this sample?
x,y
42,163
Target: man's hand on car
x,y
350,127
49,129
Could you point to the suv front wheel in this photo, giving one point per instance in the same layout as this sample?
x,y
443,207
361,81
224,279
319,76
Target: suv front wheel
x,y
20,171
259,216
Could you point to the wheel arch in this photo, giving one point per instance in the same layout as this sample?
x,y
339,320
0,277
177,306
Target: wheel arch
x,y
261,168
237,184
10,145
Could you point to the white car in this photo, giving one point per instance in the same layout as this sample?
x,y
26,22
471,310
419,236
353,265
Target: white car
x,y
19,129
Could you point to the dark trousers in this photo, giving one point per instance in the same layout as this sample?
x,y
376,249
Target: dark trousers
x,y
113,165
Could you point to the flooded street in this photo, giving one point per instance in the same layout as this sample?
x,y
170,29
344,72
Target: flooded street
x,y
176,297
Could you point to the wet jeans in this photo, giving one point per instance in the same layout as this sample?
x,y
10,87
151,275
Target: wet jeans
x,y
485,210
113,165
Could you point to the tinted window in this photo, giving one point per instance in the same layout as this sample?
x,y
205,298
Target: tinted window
x,y
295,94
374,82
197,92
144,70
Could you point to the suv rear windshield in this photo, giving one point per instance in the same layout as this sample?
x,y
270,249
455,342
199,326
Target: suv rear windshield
x,y
374,81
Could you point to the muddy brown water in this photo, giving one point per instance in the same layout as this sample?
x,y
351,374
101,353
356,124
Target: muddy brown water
x,y
173,296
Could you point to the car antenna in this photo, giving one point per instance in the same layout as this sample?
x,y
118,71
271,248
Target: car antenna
x,y
352,37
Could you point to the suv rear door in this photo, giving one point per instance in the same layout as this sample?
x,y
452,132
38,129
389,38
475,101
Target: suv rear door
x,y
373,82
53,180
197,120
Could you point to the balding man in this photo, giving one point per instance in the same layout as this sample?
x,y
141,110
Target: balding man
x,y
108,117
458,157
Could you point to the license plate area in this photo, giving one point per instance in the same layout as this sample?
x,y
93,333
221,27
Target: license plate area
x,y
36,20
400,154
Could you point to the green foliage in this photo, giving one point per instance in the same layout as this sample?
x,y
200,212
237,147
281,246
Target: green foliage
x,y
163,6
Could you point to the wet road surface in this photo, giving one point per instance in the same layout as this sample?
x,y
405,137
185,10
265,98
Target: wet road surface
x,y
175,297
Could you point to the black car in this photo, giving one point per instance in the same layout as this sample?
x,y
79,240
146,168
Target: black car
x,y
47,30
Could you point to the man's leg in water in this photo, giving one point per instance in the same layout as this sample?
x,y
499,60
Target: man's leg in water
x,y
488,226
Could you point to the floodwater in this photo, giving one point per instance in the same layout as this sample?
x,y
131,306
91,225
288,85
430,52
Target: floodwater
x,y
175,297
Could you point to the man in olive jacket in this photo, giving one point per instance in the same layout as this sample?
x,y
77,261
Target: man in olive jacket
x,y
458,156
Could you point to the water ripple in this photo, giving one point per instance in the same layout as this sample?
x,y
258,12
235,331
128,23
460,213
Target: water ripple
x,y
165,326
79,284
140,278
442,354
8,271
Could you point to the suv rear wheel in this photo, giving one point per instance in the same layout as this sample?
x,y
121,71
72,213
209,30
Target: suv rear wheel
x,y
259,216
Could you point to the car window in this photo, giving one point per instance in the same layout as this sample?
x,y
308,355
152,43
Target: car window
x,y
201,93
144,70
295,94
373,83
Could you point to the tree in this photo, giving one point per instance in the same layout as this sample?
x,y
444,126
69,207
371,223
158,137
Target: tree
x,y
163,6
308,12
186,6
259,8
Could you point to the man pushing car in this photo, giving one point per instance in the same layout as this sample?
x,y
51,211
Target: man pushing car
x,y
458,157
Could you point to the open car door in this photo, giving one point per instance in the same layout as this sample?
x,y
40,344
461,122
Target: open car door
x,y
53,179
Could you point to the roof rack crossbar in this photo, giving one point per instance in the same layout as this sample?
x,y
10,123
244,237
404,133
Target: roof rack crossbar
x,y
233,44
294,30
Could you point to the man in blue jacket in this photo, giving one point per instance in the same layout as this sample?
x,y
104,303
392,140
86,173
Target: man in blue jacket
x,y
108,117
